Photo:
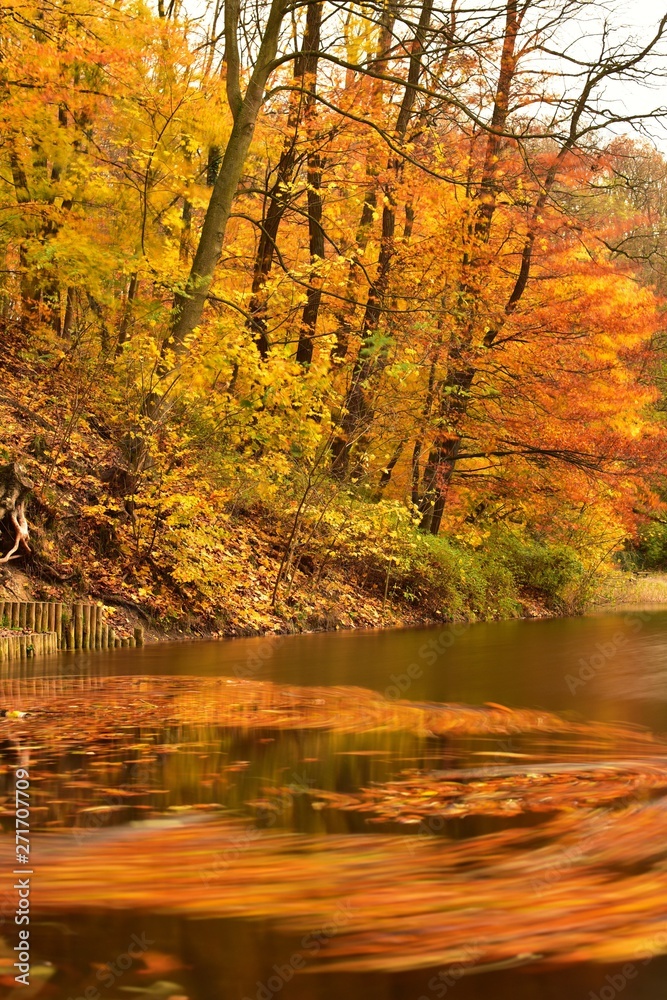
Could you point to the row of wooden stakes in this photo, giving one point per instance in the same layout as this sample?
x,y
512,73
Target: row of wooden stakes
x,y
53,626
19,647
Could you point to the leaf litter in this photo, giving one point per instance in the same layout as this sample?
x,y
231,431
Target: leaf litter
x,y
586,882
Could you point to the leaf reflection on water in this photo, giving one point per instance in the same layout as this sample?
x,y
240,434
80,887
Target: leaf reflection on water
x,y
585,882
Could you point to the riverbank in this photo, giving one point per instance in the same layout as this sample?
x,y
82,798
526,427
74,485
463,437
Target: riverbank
x,y
619,589
352,595
402,581
234,545
342,606
372,615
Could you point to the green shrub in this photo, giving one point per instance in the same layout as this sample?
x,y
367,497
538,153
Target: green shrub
x,y
487,575
461,581
553,571
650,551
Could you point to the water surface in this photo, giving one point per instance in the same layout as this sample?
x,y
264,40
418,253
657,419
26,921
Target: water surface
x,y
606,667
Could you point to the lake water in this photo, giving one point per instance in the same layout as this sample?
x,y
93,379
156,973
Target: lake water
x,y
608,667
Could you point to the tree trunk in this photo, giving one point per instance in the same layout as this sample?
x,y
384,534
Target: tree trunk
x,y
123,329
65,329
189,306
345,315
358,410
29,288
455,388
304,352
305,72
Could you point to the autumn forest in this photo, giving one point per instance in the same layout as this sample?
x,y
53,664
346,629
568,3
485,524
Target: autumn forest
x,y
333,508
299,299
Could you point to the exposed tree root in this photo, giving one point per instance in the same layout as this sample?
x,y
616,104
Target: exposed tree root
x,y
14,488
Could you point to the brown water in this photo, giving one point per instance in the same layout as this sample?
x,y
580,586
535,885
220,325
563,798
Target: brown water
x,y
603,666
607,667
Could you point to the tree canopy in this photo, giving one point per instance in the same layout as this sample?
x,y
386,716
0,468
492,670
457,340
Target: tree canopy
x,y
389,270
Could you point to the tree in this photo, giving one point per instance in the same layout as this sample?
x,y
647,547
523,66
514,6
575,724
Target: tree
x,y
577,120
245,108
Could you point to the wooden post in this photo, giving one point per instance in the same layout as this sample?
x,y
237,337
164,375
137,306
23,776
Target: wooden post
x,y
78,626
98,627
59,625
52,616
85,631
2,613
15,614
69,635
125,643
31,616
23,607
86,626
38,617
118,642
139,635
